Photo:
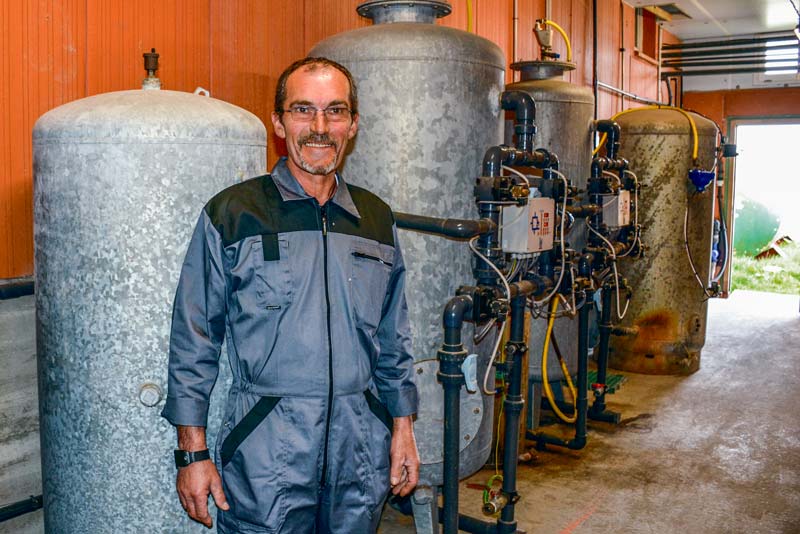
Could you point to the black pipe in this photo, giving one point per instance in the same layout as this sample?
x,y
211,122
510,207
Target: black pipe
x,y
512,405
685,73
612,131
455,228
581,402
669,93
471,524
451,357
598,410
489,245
730,42
16,288
524,108
497,156
10,511
727,51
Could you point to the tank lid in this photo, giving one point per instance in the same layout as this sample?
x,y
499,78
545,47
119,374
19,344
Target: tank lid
x,y
388,11
541,70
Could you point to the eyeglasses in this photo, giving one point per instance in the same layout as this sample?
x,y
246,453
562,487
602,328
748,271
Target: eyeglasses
x,y
308,113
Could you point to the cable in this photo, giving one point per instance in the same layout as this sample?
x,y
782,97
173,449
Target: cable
x,y
561,236
502,329
515,171
560,30
614,176
689,252
795,7
614,267
637,232
547,389
695,136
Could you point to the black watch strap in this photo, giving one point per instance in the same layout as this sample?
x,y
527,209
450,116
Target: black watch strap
x,y
184,458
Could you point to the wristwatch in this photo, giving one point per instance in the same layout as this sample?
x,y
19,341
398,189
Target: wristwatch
x,y
184,458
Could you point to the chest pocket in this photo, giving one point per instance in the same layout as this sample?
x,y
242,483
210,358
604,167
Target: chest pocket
x,y
371,266
273,276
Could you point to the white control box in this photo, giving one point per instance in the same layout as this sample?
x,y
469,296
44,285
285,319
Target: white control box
x,y
617,209
528,229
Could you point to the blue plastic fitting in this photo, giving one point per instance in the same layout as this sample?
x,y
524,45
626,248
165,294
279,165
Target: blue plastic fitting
x,y
700,179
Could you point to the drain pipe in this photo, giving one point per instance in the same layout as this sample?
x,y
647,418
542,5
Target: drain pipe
x,y
513,404
451,375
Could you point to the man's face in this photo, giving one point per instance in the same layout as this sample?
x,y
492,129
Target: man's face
x,y
315,147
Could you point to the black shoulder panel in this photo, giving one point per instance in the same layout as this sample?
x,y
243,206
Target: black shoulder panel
x,y
255,207
376,217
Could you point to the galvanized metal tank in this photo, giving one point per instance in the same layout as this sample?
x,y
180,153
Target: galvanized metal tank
x,y
119,182
564,113
429,100
669,307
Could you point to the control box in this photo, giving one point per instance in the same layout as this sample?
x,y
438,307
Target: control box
x,y
528,229
617,209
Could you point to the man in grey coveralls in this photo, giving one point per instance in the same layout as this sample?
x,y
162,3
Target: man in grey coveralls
x,y
302,275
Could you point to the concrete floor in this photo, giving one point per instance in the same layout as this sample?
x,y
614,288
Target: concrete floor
x,y
716,452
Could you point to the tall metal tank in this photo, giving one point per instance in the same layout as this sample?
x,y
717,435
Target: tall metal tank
x,y
564,113
429,100
119,182
669,307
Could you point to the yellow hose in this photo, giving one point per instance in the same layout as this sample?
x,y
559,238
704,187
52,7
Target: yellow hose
x,y
469,16
560,30
696,144
547,390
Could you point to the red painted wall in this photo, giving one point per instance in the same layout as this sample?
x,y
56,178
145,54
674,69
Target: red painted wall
x,y
56,51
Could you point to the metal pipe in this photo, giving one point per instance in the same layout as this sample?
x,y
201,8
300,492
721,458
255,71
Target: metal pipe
x,y
730,42
685,73
10,511
451,357
513,405
726,63
724,51
629,95
455,228
693,60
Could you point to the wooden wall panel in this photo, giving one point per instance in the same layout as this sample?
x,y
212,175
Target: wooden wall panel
x,y
719,106
43,46
55,51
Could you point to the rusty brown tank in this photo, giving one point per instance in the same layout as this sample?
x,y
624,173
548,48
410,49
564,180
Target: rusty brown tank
x,y
669,308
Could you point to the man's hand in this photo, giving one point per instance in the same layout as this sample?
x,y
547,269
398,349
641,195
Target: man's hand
x,y
404,471
198,479
194,483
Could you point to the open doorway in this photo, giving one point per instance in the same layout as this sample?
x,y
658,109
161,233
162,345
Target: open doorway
x,y
766,231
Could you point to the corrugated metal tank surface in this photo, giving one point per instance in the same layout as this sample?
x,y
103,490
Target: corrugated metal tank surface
x,y
430,107
564,113
120,179
668,307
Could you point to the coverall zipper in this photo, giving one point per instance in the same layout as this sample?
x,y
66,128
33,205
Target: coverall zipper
x,y
324,221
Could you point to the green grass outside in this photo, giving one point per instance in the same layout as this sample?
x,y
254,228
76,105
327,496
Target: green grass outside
x,y
774,275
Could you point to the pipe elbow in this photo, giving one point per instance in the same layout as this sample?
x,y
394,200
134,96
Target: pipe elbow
x,y
612,129
455,311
